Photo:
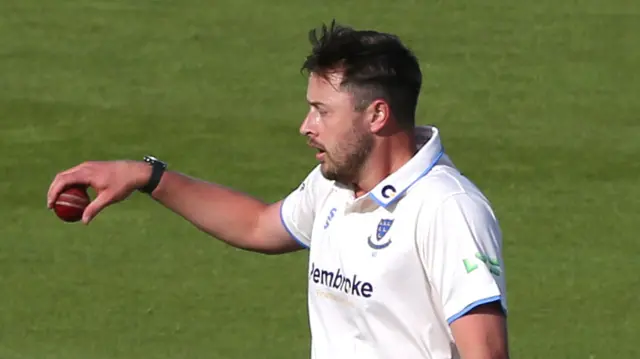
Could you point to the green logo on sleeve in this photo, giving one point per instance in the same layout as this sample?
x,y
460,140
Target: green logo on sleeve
x,y
471,264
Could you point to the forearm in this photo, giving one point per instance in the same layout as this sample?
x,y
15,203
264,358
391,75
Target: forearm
x,y
224,213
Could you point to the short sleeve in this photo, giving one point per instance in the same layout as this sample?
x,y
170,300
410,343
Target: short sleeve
x,y
460,245
298,209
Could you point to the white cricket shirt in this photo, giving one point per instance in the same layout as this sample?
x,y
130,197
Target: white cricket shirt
x,y
389,271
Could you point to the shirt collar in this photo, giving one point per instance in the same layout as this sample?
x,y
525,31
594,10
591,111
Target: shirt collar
x,y
430,150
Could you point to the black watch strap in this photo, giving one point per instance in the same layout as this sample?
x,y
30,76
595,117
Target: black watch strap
x,y
157,170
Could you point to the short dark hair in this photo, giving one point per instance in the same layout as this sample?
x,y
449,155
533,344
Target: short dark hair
x,y
374,65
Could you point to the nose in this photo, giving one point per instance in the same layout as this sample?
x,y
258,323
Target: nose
x,y
307,128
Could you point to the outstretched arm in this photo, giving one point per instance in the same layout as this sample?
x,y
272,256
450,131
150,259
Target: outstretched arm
x,y
234,217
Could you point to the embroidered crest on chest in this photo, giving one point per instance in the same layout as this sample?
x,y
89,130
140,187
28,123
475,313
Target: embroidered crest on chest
x,y
382,240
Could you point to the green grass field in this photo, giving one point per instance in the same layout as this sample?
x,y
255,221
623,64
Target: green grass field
x,y
538,103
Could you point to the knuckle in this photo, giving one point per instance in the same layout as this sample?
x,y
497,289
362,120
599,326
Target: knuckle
x,y
83,166
60,177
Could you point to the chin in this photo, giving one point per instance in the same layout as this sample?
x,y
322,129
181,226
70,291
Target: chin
x,y
332,175
327,172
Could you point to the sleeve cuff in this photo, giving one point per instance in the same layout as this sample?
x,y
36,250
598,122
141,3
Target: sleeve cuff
x,y
290,229
475,304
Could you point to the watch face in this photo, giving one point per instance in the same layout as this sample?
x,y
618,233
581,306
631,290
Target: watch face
x,y
152,160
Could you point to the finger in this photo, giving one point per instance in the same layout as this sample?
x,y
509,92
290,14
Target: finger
x,y
98,204
79,168
58,185
74,176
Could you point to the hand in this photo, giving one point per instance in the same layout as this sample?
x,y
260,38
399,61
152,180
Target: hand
x,y
113,182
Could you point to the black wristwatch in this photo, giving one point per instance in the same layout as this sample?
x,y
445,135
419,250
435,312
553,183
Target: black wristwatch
x,y
157,170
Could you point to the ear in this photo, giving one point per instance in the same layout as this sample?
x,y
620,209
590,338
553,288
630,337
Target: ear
x,y
379,115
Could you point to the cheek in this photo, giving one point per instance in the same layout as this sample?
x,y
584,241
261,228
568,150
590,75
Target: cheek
x,y
338,133
342,144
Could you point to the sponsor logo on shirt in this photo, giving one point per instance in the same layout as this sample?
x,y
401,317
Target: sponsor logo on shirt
x,y
332,213
388,191
471,264
340,281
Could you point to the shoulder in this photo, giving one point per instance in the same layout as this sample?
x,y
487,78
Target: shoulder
x,y
314,187
316,177
316,182
454,213
445,190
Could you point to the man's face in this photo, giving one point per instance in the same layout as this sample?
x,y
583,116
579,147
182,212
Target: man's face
x,y
333,126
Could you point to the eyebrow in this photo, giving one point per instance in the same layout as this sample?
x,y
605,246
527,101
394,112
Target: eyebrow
x,y
317,104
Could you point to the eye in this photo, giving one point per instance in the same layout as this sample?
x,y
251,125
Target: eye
x,y
319,112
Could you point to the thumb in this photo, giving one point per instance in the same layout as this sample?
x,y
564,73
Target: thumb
x,y
98,204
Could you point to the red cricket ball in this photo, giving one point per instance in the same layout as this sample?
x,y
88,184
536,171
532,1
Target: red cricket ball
x,y
70,204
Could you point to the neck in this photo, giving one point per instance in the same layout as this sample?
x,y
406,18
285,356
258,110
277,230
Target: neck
x,y
387,156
